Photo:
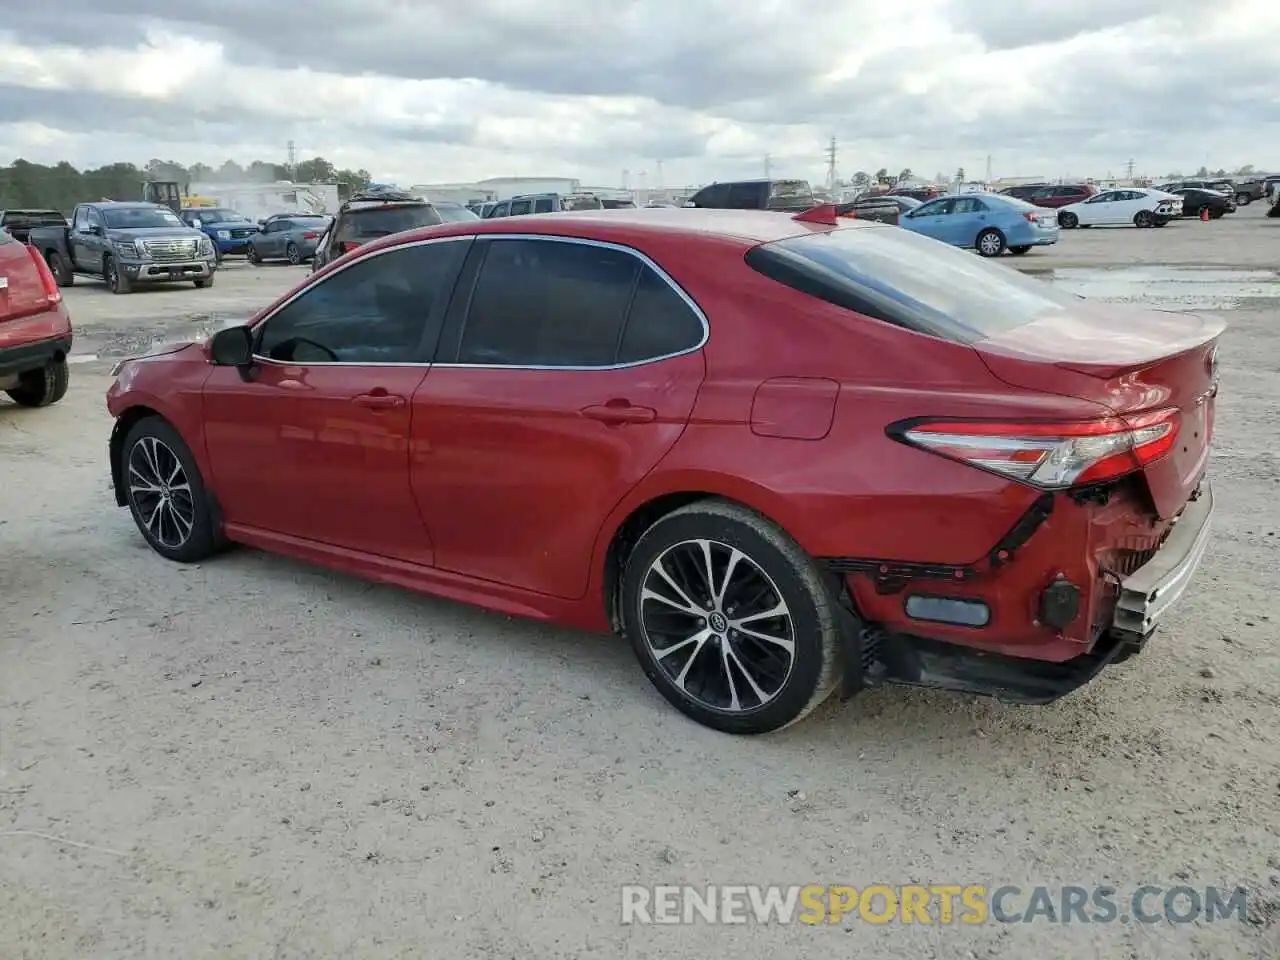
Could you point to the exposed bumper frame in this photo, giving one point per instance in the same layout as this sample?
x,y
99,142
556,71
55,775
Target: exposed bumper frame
x,y
1150,591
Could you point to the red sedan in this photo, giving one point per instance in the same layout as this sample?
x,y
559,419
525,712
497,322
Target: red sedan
x,y
779,454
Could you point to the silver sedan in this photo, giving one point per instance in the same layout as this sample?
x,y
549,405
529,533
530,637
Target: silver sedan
x,y
287,238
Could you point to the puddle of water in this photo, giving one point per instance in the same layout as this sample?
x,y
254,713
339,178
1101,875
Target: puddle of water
x,y
1170,288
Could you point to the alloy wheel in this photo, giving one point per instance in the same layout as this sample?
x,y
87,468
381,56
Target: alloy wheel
x,y
161,492
990,244
716,624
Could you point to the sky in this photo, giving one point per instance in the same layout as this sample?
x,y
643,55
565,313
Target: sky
x,y
675,92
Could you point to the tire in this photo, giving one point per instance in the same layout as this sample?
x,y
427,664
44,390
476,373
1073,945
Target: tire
x,y
990,243
40,388
252,255
1162,222
1243,199
293,254
180,525
117,282
772,571
1217,214
60,268
1068,221
1019,250
204,282
1143,218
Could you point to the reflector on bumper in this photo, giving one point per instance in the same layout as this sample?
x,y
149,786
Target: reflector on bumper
x,y
1151,590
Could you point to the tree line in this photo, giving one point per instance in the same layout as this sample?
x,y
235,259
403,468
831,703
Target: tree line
x,y
62,186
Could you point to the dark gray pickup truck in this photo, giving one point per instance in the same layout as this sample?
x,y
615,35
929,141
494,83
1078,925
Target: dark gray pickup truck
x,y
126,244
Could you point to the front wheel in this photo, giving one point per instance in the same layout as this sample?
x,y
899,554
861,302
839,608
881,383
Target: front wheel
x,y
730,619
166,493
116,280
40,388
1243,199
204,282
1019,250
1068,221
1144,218
990,243
252,255
293,254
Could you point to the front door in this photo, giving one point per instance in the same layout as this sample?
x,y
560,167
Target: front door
x,y
565,373
316,444
86,246
933,219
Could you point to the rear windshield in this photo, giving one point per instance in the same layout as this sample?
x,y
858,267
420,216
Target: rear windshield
x,y
384,221
454,213
909,280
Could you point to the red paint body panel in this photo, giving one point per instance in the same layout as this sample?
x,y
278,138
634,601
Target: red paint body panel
x,y
50,324
494,487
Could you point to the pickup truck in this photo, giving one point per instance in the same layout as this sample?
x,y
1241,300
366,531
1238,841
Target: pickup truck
x,y
18,223
126,244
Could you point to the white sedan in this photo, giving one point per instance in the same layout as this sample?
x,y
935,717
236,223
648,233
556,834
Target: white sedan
x,y
1141,207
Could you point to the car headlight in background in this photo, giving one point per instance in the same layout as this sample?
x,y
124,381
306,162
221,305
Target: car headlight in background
x,y
224,234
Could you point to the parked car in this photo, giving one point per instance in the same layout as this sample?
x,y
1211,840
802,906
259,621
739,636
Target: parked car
x,y
1141,207
126,244
546,203
1220,186
287,238
786,195
35,328
591,448
228,231
989,223
18,223
368,216
1051,196
922,192
1249,190
1194,200
882,209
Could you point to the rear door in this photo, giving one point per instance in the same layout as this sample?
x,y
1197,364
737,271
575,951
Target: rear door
x,y
316,445
566,371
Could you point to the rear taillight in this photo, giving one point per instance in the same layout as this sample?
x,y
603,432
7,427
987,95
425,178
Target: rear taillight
x,y
1051,456
1032,217
51,291
310,236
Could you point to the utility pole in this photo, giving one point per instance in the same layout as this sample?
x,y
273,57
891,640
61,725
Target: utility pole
x,y
988,168
1129,169
293,160
659,183
831,164
626,179
768,166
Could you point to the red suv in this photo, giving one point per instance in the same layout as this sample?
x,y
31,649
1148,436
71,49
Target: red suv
x,y
35,329
1051,196
779,454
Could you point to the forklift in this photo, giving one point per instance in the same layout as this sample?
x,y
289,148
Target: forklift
x,y
164,192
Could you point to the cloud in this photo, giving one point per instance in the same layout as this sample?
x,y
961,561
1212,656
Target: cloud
x,y
428,91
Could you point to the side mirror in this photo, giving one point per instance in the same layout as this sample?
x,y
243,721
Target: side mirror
x,y
232,347
196,222
97,229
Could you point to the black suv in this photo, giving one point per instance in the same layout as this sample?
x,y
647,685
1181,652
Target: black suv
x,y
790,195
368,216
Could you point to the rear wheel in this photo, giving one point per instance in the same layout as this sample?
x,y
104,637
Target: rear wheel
x,y
60,269
40,388
252,255
1068,221
730,619
293,254
1143,218
1019,250
1243,199
990,243
166,493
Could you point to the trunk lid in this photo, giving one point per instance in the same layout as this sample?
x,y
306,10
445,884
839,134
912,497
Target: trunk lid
x,y
1129,361
22,291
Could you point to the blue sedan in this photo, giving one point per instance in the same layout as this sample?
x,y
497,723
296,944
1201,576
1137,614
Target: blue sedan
x,y
987,222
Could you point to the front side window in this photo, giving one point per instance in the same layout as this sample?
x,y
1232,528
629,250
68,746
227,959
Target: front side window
x,y
745,196
375,311
935,208
542,205
82,218
971,205
521,207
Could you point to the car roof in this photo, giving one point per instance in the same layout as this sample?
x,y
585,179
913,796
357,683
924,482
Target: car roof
x,y
128,205
629,225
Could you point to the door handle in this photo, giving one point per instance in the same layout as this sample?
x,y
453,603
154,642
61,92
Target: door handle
x,y
378,401
618,412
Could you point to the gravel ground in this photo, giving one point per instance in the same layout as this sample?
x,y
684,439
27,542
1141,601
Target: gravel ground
x,y
252,758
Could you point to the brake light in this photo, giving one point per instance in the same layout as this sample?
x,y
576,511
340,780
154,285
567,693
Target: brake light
x,y
1048,455
51,292
310,236
349,245
1032,217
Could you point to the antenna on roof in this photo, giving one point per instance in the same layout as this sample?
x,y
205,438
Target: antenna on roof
x,y
825,214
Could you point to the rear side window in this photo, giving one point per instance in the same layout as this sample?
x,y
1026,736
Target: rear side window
x,y
540,303
660,322
790,192
542,205
715,196
746,196
521,207
908,280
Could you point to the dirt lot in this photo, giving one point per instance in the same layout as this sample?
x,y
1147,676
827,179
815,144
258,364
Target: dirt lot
x,y
251,758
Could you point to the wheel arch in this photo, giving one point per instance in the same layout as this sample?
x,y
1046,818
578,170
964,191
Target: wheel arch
x,y
651,502
124,423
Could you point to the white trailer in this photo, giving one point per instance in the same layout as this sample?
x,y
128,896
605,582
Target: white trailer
x,y
259,200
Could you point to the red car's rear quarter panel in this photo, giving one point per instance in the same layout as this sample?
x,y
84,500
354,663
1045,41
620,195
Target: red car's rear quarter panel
x,y
52,324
